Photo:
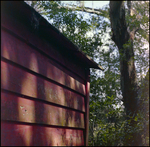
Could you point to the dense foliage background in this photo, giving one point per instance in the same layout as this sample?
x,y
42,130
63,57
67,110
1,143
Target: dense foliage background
x,y
91,32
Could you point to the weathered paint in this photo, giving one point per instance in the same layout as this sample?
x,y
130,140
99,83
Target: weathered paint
x,y
16,108
31,39
22,82
87,89
33,135
17,51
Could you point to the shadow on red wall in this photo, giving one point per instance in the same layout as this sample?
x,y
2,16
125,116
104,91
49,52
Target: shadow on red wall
x,y
28,117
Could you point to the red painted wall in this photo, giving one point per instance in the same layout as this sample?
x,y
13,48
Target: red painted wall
x,y
44,96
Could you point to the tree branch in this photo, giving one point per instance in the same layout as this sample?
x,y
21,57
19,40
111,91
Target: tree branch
x,y
129,7
85,9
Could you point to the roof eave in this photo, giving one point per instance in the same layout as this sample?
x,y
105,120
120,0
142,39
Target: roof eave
x,y
25,11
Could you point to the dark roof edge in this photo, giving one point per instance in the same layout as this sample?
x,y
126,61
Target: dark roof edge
x,y
25,10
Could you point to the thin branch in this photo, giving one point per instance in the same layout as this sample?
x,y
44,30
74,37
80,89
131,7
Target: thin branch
x,y
84,9
129,7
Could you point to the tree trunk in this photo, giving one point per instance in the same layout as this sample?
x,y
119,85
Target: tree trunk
x,y
124,41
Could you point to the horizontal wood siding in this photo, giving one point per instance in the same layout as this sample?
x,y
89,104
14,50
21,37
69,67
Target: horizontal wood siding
x,y
36,135
36,43
42,92
19,52
16,108
22,82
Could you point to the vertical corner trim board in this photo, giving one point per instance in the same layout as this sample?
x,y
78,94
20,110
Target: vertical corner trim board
x,y
87,89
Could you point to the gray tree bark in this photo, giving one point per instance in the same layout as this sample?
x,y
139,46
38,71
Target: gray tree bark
x,y
121,36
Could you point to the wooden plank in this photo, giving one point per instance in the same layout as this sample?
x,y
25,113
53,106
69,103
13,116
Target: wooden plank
x,y
23,32
14,134
22,82
18,52
87,86
14,108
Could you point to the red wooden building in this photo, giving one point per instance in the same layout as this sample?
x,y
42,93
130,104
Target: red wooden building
x,y
44,82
